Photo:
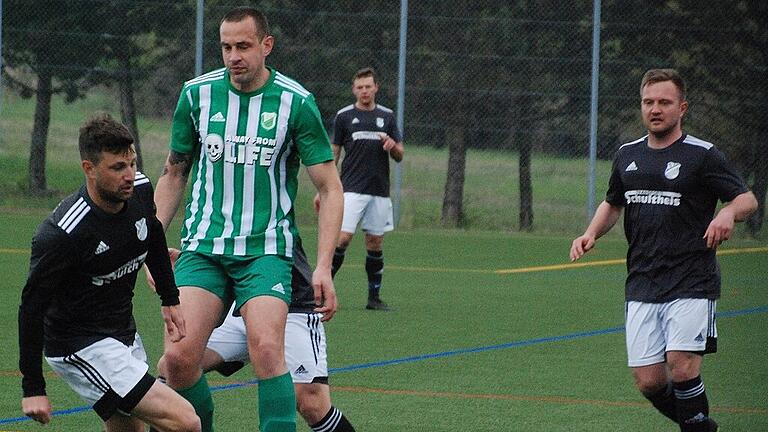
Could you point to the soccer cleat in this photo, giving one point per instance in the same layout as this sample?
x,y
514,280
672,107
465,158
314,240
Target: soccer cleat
x,y
713,427
376,304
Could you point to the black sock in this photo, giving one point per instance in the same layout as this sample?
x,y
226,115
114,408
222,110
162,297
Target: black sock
x,y
692,405
374,266
664,401
334,421
338,260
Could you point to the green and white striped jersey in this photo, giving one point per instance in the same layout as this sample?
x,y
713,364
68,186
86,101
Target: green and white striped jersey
x,y
247,148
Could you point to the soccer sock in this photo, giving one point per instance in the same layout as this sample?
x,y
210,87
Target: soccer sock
x,y
277,404
334,421
199,395
338,260
374,266
692,405
664,401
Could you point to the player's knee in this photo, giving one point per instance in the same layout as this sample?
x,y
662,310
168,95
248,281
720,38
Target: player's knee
x,y
310,404
187,424
344,240
267,358
374,242
646,385
177,363
313,401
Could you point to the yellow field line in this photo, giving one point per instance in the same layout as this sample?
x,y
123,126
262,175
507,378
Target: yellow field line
x,y
14,251
565,266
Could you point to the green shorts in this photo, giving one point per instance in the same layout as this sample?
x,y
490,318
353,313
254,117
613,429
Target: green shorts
x,y
235,277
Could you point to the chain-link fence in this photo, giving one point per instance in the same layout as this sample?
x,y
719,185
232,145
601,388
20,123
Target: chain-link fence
x,y
497,94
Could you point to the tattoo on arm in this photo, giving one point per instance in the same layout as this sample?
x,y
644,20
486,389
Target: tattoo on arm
x,y
176,158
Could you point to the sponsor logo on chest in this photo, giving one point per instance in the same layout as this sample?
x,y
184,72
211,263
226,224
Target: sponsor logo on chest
x,y
242,149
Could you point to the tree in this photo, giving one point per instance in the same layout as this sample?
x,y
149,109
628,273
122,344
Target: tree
x,y
48,51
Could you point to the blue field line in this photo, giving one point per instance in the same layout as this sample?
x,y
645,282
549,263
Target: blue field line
x,y
411,359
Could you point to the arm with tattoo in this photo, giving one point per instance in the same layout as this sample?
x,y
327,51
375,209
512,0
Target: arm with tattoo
x,y
171,185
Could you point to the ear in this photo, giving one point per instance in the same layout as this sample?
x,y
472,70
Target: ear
x,y
268,43
88,168
683,108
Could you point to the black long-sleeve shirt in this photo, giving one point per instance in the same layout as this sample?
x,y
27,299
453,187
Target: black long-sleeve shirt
x,y
82,272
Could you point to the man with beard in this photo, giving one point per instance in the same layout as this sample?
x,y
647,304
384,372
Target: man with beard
x,y
76,304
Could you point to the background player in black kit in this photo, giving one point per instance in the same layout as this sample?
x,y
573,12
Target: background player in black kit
x,y
76,304
369,136
669,184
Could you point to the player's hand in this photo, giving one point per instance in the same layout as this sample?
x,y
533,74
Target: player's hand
x,y
316,203
38,408
581,245
720,229
387,141
173,254
174,322
325,294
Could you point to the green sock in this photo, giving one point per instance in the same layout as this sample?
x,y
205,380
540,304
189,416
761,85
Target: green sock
x,y
199,395
277,404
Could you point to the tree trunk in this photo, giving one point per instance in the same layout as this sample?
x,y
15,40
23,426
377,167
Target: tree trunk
x,y
127,105
759,188
37,182
526,189
453,210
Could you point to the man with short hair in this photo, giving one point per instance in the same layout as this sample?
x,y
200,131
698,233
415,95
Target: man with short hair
x,y
242,130
369,135
668,184
77,299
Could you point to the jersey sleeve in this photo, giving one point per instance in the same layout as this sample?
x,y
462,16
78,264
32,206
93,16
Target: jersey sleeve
x,y
183,131
51,259
615,194
720,177
159,264
310,136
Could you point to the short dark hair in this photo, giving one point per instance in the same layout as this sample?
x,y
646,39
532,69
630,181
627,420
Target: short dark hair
x,y
243,12
660,75
365,73
102,133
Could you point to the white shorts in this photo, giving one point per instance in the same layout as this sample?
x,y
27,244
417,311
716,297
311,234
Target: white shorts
x,y
305,349
108,375
375,212
679,325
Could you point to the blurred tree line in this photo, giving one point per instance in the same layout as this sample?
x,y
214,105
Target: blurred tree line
x,y
480,75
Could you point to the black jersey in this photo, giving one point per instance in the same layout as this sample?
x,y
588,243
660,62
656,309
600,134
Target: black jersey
x,y
82,272
669,196
302,293
365,169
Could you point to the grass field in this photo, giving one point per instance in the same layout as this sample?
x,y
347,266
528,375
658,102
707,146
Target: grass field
x,y
470,346
492,331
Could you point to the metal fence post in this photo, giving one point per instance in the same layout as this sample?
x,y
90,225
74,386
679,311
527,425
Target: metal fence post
x,y
593,110
400,103
199,38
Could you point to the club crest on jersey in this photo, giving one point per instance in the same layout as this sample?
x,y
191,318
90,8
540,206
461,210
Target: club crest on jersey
x,y
141,229
268,120
214,147
379,122
672,170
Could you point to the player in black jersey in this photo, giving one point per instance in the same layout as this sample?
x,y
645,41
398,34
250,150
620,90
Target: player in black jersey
x,y
76,304
369,136
668,184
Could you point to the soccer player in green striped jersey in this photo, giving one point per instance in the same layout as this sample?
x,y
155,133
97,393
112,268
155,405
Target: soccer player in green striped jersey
x,y
241,132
